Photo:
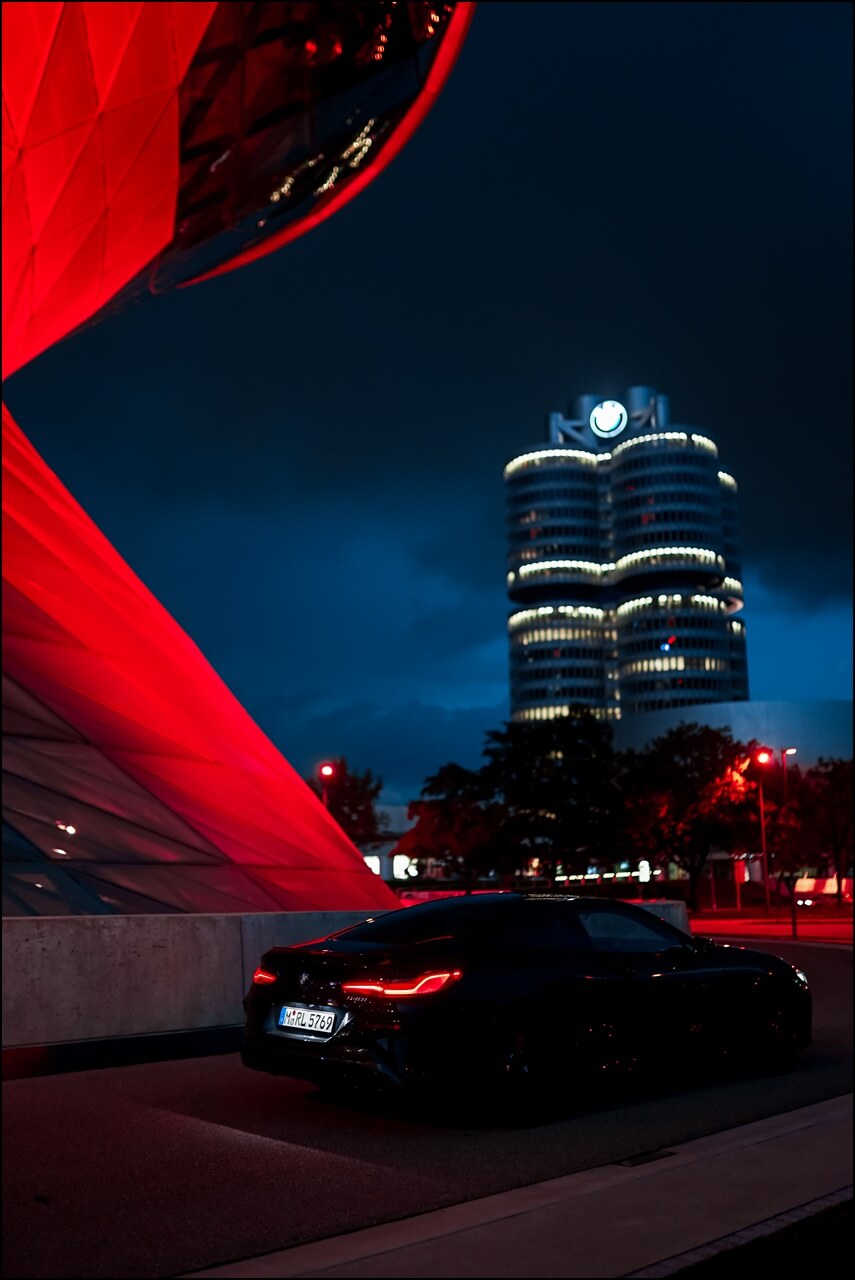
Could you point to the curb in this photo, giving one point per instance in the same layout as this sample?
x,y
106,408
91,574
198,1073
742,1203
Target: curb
x,y
22,1062
669,1266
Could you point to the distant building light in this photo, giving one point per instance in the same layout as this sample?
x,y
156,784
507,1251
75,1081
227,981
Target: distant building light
x,y
401,866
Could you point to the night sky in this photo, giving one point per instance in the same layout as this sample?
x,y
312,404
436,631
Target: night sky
x,y
303,459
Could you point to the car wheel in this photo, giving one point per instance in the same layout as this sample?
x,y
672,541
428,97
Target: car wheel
x,y
522,1083
779,1043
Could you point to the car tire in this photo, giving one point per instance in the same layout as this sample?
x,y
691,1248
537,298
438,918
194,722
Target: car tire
x,y
523,1087
779,1044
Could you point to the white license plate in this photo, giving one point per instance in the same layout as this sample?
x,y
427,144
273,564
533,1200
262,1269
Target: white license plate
x,y
319,1020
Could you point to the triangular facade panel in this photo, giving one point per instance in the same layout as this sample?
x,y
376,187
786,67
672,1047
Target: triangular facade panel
x,y
146,145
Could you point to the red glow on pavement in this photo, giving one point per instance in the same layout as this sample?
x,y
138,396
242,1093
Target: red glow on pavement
x,y
829,928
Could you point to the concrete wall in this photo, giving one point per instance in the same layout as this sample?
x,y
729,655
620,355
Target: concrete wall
x,y
77,978
676,913
68,978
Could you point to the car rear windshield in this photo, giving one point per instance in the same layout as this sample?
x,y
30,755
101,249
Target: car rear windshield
x,y
431,920
513,921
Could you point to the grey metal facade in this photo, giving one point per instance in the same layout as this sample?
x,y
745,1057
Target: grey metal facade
x,y
623,565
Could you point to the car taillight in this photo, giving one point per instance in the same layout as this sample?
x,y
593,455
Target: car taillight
x,y
263,976
427,985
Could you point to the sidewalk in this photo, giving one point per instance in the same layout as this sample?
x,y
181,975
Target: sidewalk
x,y
825,926
652,1217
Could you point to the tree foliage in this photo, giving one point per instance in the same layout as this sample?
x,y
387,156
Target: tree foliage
x,y
555,792
685,795
815,826
351,797
556,781
545,792
457,824
809,819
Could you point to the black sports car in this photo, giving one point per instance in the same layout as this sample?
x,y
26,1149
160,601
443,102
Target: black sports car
x,y
513,990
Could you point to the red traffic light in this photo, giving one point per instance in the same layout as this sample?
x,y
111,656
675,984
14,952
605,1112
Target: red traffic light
x,y
326,771
764,756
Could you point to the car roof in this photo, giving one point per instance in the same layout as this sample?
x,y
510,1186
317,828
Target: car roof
x,y
479,898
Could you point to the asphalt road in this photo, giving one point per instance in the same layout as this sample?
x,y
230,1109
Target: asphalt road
x,y
161,1169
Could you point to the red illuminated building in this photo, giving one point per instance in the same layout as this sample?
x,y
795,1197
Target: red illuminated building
x,y
149,145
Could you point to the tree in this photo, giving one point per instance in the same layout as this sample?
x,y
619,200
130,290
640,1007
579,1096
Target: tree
x,y
556,780
458,823
826,808
546,791
685,795
351,798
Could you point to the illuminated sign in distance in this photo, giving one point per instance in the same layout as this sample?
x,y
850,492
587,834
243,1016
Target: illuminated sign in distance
x,y
608,419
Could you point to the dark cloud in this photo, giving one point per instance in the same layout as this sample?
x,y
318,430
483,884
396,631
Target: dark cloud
x,y
421,736
304,458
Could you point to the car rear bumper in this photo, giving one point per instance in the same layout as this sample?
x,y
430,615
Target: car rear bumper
x,y
326,1062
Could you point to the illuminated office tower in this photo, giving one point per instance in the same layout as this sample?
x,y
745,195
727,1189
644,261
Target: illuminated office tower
x,y
623,565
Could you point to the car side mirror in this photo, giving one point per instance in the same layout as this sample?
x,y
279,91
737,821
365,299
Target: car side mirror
x,y
681,949
702,945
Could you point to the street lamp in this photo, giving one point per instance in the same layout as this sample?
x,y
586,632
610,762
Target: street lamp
x,y
764,756
327,773
786,751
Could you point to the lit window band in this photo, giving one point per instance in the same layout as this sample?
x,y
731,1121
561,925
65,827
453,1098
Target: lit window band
x,y
561,711
566,566
632,606
654,555
674,663
674,437
525,616
668,603
703,555
548,455
550,635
